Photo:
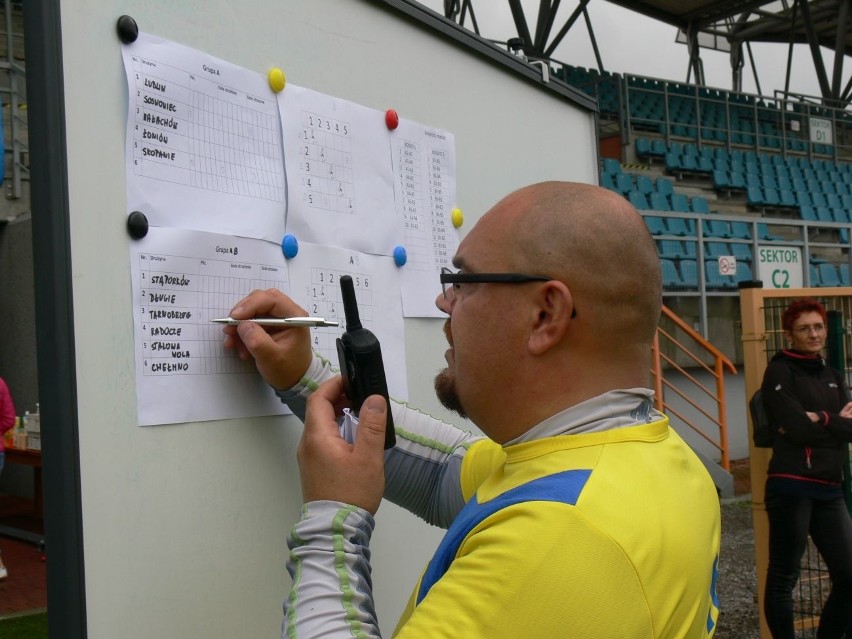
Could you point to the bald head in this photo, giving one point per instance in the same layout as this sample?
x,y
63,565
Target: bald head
x,y
595,242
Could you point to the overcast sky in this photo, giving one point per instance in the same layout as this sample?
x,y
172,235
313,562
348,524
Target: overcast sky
x,y
631,43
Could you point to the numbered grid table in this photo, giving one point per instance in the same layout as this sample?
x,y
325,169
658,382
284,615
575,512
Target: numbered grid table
x,y
179,297
193,131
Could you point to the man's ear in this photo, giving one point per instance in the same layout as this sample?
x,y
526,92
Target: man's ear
x,y
554,312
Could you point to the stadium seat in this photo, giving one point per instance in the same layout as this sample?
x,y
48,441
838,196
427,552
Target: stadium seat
x,y
611,165
689,273
770,197
624,183
823,214
808,213
671,277
818,199
658,149
743,273
828,274
754,196
833,200
639,201
787,198
717,249
664,185
659,202
680,226
737,179
814,273
742,252
644,184
716,280
656,225
670,249
740,230
680,203
844,274
674,164
720,180
643,149
716,228
699,204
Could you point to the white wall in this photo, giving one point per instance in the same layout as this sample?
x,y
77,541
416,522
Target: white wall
x,y
185,525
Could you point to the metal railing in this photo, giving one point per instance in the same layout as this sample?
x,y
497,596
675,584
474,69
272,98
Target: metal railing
x,y
680,350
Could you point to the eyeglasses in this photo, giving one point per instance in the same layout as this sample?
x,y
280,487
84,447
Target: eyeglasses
x,y
805,330
451,281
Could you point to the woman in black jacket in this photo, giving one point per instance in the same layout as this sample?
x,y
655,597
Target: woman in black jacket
x,y
809,403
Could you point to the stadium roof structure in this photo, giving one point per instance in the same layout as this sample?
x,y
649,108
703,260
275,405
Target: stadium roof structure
x,y
724,25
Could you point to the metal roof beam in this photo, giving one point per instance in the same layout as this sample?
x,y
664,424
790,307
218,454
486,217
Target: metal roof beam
x,y
813,41
565,28
840,39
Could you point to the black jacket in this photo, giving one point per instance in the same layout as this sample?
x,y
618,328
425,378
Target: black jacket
x,y
794,384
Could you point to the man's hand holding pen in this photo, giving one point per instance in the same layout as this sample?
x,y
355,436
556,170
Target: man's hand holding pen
x,y
282,354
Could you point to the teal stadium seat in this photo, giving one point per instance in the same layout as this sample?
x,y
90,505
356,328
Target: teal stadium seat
x,y
717,249
716,228
608,182
740,230
656,225
664,185
689,273
828,274
680,226
659,202
670,249
814,273
743,273
742,252
611,165
638,200
808,213
624,183
699,204
714,279
644,184
680,203
671,277
643,149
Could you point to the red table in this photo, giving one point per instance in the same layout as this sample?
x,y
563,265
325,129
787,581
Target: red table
x,y
29,458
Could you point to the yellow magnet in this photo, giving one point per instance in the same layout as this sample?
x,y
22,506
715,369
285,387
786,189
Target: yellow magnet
x,y
277,80
458,217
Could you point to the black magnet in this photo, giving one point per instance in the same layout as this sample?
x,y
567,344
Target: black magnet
x,y
137,225
127,29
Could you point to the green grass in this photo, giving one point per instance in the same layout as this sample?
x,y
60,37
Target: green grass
x,y
27,627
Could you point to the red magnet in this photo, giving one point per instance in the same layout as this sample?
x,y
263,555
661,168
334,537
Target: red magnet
x,y
391,119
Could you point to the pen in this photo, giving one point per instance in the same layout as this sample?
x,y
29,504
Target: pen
x,y
279,321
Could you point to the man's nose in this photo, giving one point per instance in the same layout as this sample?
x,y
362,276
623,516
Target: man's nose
x,y
444,303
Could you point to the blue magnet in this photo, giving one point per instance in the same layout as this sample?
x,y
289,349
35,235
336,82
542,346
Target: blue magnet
x,y
290,246
400,256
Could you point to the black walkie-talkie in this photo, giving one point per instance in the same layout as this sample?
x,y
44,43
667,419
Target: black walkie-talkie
x,y
360,358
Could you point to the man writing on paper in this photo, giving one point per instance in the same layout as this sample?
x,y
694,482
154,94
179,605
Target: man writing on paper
x,y
582,514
